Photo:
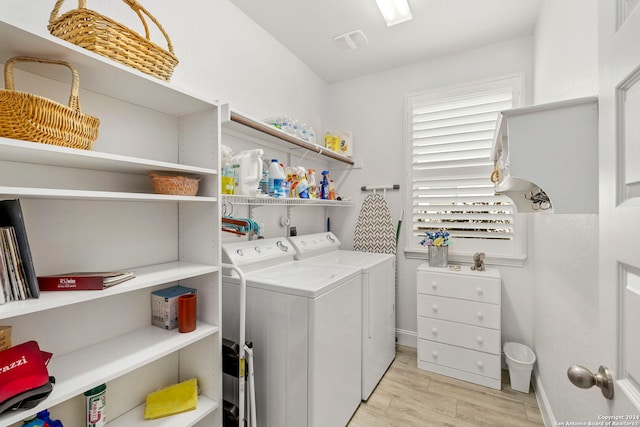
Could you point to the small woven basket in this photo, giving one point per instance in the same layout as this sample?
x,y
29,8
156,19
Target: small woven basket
x,y
174,185
34,118
100,34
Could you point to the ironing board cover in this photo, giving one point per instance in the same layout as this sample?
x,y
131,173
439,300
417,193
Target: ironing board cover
x,y
375,230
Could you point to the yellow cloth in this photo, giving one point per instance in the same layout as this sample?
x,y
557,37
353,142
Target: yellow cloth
x,y
171,400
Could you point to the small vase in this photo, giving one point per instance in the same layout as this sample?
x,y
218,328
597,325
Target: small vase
x,y
438,256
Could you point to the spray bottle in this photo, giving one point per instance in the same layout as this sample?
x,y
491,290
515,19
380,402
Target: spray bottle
x,y
324,185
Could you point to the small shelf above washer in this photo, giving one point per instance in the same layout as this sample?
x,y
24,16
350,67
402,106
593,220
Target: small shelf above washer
x,y
244,125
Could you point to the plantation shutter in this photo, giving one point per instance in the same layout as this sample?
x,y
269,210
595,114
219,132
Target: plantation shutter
x,y
451,139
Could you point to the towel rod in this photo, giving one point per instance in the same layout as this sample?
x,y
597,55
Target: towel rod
x,y
381,187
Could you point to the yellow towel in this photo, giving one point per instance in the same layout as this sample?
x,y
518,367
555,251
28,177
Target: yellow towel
x,y
173,399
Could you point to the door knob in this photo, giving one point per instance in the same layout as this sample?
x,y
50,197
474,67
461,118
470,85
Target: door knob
x,y
583,378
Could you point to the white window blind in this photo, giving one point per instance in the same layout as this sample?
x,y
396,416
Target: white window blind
x,y
450,135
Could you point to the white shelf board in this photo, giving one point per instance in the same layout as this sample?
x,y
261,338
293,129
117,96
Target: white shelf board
x,y
146,277
97,73
136,416
55,193
88,367
275,201
13,150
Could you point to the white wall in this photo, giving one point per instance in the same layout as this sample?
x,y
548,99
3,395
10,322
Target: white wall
x,y
372,107
223,54
563,248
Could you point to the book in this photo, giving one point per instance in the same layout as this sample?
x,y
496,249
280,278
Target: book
x,y
5,236
83,280
11,215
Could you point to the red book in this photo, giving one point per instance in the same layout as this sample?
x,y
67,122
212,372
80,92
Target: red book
x,y
83,281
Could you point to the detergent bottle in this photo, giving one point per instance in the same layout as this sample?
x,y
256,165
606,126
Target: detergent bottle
x,y
249,171
277,184
324,185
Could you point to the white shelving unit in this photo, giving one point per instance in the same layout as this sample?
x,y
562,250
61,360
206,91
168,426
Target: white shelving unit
x,y
96,211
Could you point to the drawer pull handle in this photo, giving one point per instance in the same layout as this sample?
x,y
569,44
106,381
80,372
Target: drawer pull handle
x,y
434,307
434,354
480,315
479,339
434,285
434,331
480,365
479,290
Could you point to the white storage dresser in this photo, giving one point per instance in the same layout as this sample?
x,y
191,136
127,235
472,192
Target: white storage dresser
x,y
459,323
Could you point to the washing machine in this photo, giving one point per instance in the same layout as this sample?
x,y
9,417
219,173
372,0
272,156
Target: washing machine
x,y
378,299
305,324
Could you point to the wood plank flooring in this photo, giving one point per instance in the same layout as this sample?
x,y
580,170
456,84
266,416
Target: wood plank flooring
x,y
407,396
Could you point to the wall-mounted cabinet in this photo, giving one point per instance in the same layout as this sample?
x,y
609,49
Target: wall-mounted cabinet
x,y
553,148
96,211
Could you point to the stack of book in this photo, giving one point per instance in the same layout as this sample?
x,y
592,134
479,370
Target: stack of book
x,y
17,274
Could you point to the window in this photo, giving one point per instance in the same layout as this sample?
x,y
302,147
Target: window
x,y
450,135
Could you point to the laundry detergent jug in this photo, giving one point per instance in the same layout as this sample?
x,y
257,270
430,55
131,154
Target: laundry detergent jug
x,y
249,171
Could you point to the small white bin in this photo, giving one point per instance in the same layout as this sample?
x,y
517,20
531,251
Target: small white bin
x,y
520,360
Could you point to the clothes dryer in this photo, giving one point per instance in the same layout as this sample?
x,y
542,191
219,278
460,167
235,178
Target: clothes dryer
x,y
378,298
305,323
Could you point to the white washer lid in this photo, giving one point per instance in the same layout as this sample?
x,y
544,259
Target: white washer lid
x,y
299,278
361,260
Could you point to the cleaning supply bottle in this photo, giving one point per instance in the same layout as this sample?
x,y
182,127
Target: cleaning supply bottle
x,y
277,185
313,186
324,185
303,184
332,190
264,182
249,171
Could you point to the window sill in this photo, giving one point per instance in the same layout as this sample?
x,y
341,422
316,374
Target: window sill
x,y
462,257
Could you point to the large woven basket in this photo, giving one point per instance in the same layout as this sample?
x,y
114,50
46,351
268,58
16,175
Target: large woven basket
x,y
34,118
100,34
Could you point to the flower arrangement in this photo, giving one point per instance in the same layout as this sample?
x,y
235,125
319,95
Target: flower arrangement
x,y
436,238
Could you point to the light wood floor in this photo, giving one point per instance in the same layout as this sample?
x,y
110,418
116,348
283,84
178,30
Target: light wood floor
x,y
407,396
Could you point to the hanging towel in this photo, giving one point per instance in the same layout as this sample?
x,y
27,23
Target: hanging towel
x,y
375,229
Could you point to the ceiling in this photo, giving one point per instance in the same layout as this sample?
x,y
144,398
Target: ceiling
x,y
438,28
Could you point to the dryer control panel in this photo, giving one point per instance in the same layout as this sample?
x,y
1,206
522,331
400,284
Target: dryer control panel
x,y
310,245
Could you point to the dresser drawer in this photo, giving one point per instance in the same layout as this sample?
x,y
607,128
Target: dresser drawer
x,y
472,287
467,336
475,362
456,310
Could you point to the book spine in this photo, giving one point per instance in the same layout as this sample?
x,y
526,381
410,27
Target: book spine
x,y
70,283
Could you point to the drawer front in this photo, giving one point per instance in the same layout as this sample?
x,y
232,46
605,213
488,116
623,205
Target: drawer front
x,y
457,310
469,287
467,336
476,362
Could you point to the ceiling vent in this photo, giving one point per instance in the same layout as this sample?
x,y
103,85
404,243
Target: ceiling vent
x,y
351,40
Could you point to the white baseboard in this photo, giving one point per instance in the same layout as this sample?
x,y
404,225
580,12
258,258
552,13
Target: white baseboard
x,y
407,338
543,401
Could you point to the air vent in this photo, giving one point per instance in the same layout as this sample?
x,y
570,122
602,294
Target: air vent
x,y
351,40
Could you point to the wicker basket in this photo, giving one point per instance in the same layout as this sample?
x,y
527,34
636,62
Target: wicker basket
x,y
174,185
34,118
102,35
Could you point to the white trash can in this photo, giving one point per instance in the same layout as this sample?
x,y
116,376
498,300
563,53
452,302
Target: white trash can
x,y
520,360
